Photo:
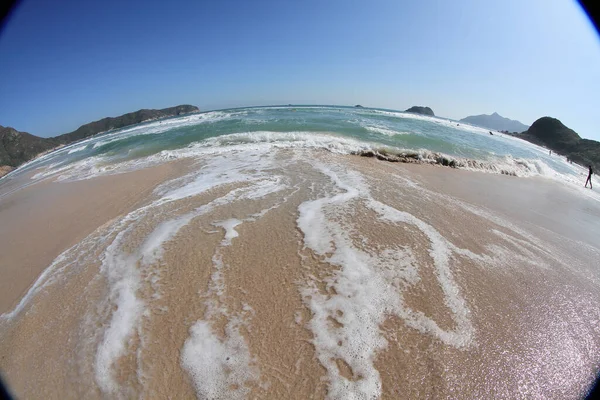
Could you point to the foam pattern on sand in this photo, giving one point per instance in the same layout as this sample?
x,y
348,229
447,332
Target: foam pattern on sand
x,y
215,173
368,286
356,286
217,365
122,267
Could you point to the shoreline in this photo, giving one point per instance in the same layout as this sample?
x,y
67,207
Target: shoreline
x,y
261,264
408,160
404,158
39,222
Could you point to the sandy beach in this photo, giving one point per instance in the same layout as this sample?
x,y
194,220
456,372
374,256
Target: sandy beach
x,y
39,222
299,274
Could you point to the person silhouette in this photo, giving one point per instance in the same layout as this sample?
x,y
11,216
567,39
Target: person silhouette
x,y
589,179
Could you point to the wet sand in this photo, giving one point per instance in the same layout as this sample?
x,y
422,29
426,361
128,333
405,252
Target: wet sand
x,y
427,282
41,221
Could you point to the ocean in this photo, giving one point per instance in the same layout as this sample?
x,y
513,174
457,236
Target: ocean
x,y
338,129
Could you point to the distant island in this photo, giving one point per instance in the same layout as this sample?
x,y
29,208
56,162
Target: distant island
x,y
421,110
17,147
552,134
496,122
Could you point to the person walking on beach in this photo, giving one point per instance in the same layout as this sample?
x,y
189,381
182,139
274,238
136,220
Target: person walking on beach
x,y
589,179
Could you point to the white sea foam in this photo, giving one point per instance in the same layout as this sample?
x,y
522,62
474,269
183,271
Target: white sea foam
x,y
436,120
533,251
77,149
44,279
298,139
217,364
121,269
124,281
216,173
384,130
161,126
229,226
440,252
220,367
253,143
368,287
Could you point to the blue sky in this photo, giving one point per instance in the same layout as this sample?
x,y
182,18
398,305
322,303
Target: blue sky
x,y
66,63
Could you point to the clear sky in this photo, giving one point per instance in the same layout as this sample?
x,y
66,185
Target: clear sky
x,y
65,63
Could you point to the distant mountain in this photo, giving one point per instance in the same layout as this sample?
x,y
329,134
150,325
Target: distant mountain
x,y
17,147
421,110
496,122
551,133
136,117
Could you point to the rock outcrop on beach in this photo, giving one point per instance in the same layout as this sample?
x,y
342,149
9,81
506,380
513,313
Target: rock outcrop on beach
x,y
553,134
421,110
495,121
5,169
17,147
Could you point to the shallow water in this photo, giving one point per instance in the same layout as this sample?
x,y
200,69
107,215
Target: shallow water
x,y
338,129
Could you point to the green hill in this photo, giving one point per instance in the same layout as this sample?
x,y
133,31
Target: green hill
x,y
17,147
132,118
551,133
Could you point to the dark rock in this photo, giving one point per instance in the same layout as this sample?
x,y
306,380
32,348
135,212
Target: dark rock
x,y
367,153
421,110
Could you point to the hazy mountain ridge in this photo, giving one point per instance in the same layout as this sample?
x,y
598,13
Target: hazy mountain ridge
x,y
496,122
18,147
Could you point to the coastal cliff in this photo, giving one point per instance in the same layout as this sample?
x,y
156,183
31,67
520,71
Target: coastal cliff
x,y
18,147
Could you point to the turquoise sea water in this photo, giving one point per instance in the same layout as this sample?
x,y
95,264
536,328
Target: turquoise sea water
x,y
336,128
